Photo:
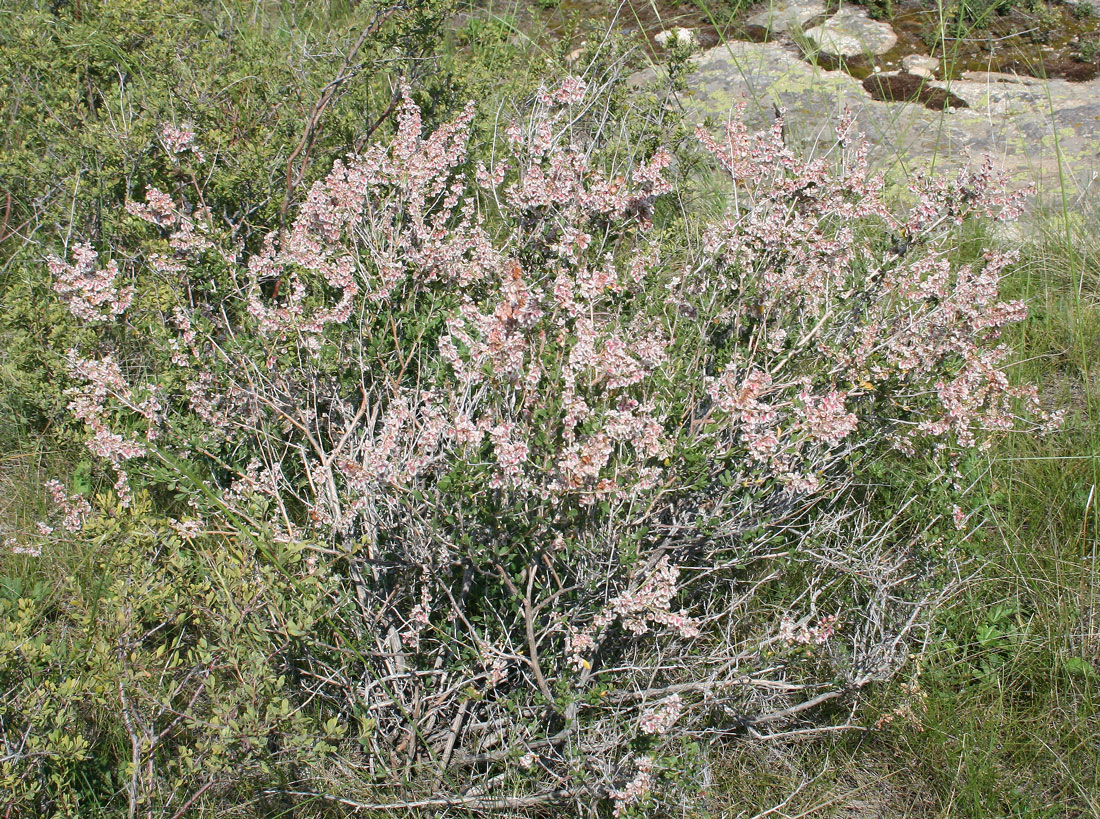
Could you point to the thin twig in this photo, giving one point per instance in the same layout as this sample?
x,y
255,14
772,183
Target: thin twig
x,y
294,174
476,803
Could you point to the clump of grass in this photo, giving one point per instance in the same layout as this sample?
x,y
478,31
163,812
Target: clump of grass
x,y
1083,11
1012,723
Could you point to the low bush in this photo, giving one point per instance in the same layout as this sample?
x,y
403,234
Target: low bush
x,y
501,482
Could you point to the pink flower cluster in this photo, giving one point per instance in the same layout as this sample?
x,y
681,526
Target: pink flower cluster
x,y
177,139
804,634
187,529
637,610
92,295
912,324
793,237
651,603
636,789
661,718
105,389
419,616
74,507
16,548
570,91
825,418
578,645
821,420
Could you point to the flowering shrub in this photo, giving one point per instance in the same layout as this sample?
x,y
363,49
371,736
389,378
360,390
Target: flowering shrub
x,y
581,491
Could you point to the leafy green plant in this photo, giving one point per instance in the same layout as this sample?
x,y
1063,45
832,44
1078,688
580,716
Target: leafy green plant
x,y
1088,50
878,9
1046,19
195,647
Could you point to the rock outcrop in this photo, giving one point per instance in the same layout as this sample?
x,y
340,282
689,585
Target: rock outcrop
x,y
785,17
852,33
921,65
1043,132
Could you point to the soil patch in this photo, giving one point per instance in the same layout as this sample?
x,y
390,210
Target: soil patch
x,y
648,18
1060,68
910,88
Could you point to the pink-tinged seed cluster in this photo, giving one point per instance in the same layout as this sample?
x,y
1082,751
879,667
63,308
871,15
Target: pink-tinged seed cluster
x,y
187,529
397,215
74,508
569,91
104,392
825,417
636,789
911,324
30,550
794,235
651,604
179,138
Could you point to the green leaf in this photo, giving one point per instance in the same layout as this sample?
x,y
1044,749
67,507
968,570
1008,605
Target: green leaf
x,y
1079,666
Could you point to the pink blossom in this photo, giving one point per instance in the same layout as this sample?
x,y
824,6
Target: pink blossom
x,y
803,634
650,604
75,508
662,716
636,789
29,551
92,295
178,139
825,418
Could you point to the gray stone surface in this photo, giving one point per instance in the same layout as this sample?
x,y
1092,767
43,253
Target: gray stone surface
x,y
1042,132
921,65
783,16
988,77
852,33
